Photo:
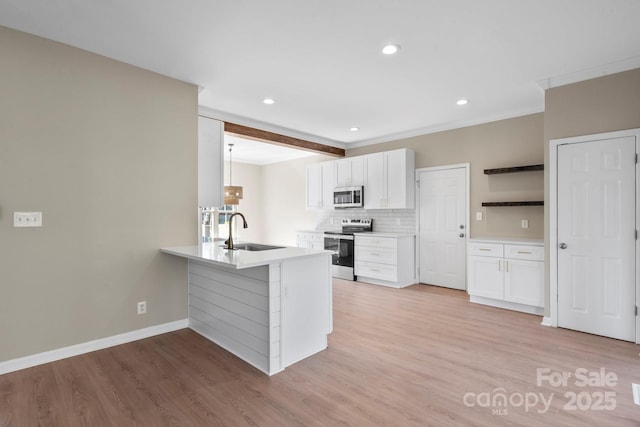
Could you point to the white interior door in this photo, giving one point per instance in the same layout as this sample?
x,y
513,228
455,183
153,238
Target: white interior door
x,y
443,227
596,237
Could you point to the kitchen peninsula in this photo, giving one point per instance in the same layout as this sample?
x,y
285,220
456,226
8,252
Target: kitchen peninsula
x,y
271,308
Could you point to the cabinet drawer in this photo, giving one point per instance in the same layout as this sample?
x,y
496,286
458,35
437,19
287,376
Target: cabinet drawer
x,y
486,249
377,271
381,255
527,252
378,242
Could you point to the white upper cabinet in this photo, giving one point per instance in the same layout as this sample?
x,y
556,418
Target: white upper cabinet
x,y
389,180
321,182
328,184
349,171
210,162
314,186
374,184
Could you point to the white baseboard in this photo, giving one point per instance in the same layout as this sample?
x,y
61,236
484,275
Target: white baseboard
x,y
89,346
546,321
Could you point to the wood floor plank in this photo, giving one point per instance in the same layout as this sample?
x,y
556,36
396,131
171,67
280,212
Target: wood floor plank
x,y
397,357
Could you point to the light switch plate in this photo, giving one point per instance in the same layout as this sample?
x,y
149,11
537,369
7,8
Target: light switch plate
x,y
479,216
525,223
27,219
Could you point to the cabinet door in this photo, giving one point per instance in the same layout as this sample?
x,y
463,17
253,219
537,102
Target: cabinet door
x,y
328,184
343,172
524,281
486,277
210,162
400,170
374,185
357,170
314,186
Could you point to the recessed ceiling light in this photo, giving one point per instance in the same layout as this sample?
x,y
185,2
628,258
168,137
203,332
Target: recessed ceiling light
x,y
462,101
354,129
390,49
268,101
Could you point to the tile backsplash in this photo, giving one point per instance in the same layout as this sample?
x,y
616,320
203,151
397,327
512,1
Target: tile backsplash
x,y
384,221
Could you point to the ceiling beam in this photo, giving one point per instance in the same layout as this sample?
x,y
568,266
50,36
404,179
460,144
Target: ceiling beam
x,y
287,141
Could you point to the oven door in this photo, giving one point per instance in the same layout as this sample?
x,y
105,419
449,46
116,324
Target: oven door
x,y
342,256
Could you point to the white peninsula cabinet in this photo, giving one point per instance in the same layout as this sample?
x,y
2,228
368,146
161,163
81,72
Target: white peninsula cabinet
x,y
507,274
385,259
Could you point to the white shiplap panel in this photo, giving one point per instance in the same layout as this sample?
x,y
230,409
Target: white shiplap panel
x,y
255,283
239,349
256,344
230,291
254,328
257,315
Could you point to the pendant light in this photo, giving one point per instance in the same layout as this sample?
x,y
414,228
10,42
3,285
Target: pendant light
x,y
232,194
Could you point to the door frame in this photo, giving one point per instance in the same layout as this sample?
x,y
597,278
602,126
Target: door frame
x,y
467,184
554,144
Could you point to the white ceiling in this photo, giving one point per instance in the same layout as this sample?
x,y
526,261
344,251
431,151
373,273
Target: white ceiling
x,y
260,153
322,63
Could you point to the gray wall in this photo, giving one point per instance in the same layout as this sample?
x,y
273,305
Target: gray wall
x,y
511,142
599,105
108,152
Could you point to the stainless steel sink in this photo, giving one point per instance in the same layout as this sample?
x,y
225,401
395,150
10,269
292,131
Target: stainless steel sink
x,y
254,247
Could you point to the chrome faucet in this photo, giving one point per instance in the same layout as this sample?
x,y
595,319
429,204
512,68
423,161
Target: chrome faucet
x,y
229,241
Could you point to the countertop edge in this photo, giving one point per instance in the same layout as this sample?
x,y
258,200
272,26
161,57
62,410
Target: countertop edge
x,y
274,256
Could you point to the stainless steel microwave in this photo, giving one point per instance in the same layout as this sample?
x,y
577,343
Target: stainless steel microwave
x,y
348,197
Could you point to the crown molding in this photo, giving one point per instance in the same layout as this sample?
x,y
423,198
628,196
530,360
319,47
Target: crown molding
x,y
589,73
443,127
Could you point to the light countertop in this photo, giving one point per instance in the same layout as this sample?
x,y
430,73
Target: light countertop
x,y
214,254
377,234
508,240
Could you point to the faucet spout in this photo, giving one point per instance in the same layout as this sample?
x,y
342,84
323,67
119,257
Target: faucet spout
x,y
229,241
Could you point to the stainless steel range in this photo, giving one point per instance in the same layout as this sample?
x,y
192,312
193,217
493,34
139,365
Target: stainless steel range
x,y
341,242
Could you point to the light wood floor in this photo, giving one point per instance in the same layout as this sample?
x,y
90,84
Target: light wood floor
x,y
409,357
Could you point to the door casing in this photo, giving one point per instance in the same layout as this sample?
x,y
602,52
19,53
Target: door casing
x,y
552,230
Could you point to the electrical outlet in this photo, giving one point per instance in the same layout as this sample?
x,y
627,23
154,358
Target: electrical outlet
x,y
27,219
142,307
525,223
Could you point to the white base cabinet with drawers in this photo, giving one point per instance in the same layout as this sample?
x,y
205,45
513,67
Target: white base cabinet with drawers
x,y
385,259
507,274
310,239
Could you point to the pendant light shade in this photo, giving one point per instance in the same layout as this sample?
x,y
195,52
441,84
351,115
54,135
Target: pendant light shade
x,y
232,194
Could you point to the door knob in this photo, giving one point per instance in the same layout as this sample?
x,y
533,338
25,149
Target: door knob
x,y
461,235
461,227
563,246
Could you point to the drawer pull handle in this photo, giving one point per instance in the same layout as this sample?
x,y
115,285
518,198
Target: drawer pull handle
x,y
484,249
374,254
375,269
499,265
506,263
524,252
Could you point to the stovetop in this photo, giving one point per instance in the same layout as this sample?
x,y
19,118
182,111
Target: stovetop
x,y
353,225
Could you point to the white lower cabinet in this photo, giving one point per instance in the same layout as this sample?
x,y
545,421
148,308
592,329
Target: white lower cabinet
x,y
507,275
310,239
385,259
